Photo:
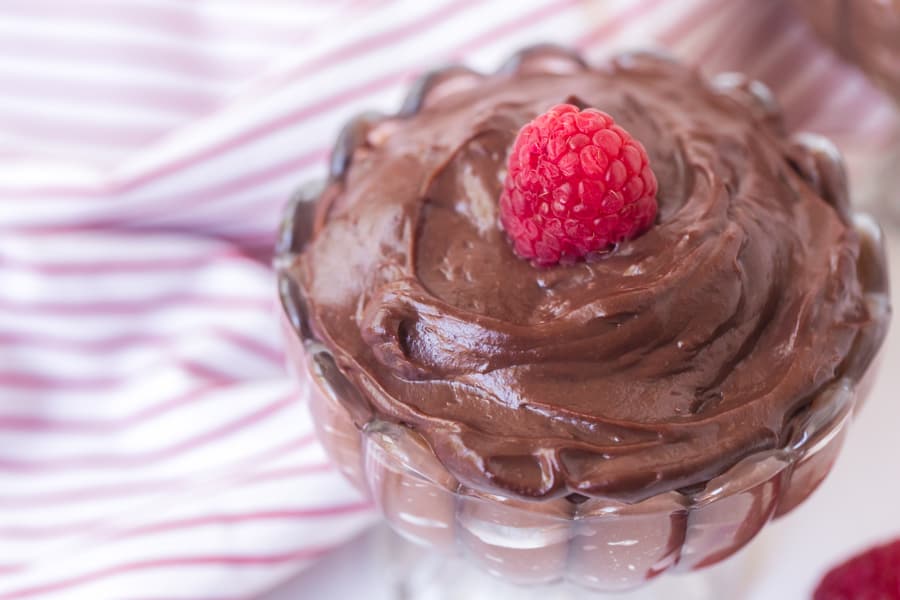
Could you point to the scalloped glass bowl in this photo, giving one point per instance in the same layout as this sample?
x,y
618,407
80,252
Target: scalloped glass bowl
x,y
865,32
596,543
876,25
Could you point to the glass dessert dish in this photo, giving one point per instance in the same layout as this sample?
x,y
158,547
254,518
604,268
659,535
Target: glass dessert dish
x,y
865,32
590,535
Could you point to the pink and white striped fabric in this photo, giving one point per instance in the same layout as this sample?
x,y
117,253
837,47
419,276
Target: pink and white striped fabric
x,y
151,442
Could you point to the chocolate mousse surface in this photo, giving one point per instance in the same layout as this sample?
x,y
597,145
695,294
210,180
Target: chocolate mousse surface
x,y
866,32
655,367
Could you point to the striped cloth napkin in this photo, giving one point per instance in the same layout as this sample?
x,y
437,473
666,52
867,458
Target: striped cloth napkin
x,y
151,443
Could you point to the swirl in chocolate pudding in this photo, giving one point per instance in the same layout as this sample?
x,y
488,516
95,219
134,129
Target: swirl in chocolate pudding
x,y
654,368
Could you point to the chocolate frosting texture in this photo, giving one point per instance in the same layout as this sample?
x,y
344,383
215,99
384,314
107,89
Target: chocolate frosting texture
x,y
654,368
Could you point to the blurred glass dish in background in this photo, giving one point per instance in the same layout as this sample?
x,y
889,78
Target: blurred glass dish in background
x,y
865,32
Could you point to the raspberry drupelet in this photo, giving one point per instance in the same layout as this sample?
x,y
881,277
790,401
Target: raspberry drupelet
x,y
576,185
872,575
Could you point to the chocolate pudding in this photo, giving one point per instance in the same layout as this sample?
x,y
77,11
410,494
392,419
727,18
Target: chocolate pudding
x,y
653,368
649,407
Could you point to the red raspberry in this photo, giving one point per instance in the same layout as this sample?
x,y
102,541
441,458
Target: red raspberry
x,y
576,184
873,575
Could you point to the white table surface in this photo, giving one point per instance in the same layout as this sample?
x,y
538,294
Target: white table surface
x,y
858,505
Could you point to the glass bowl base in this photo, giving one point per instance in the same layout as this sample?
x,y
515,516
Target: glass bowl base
x,y
417,573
